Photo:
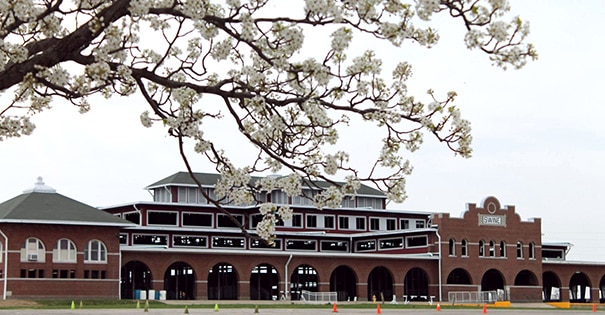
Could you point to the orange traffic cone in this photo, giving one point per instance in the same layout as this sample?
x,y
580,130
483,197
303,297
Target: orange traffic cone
x,y
378,309
438,306
484,308
334,309
594,307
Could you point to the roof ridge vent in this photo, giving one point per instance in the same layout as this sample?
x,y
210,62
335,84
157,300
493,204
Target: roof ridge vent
x,y
40,187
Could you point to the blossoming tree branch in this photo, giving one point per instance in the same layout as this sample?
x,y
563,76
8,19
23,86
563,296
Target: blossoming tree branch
x,y
244,58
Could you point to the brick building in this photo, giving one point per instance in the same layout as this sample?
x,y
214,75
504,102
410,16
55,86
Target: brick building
x,y
179,246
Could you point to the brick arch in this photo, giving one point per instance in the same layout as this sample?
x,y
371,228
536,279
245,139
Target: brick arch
x,y
416,283
344,280
380,283
459,276
264,282
526,278
551,286
303,277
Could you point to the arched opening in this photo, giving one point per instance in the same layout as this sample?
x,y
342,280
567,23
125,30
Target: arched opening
x,y
380,284
452,247
526,278
416,284
264,283
579,288
179,282
344,281
492,281
602,290
304,277
458,276
222,282
551,287
134,276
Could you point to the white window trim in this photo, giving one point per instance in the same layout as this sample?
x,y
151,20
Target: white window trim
x,y
87,259
391,248
300,250
416,236
57,252
365,250
150,234
197,226
211,242
334,251
268,248
192,246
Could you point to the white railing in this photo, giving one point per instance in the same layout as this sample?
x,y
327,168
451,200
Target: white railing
x,y
462,297
318,297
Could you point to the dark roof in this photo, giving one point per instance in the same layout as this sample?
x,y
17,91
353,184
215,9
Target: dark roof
x,y
209,180
53,208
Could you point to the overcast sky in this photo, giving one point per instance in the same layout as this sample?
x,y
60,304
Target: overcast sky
x,y
538,134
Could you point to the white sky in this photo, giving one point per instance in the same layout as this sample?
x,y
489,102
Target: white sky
x,y
539,140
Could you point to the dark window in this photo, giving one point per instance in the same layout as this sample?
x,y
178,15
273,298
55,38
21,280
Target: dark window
x,y
365,245
225,221
301,245
297,220
133,217
228,242
416,241
419,224
258,244
481,248
312,221
94,274
391,243
140,239
86,274
391,224
255,220
464,248
63,274
193,241
552,254
336,246
360,223
197,219
31,273
72,274
123,239
161,218
343,223
405,224
329,222
374,224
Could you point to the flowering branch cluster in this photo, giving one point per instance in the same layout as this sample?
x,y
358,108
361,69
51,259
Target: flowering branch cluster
x,y
245,58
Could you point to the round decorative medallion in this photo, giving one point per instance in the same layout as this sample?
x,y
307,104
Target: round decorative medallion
x,y
491,208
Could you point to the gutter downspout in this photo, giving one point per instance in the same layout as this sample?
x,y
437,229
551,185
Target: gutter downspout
x,y
5,264
439,266
286,291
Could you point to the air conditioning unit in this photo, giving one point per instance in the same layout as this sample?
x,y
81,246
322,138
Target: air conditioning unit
x,y
32,257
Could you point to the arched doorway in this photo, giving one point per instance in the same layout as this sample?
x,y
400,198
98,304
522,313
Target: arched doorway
x,y
222,282
264,283
179,282
492,281
459,276
526,278
344,281
135,276
579,288
551,287
380,284
416,284
304,277
602,289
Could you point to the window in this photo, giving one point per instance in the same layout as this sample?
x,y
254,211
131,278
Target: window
x,y
369,202
311,221
334,246
123,237
279,197
391,243
133,217
297,220
391,224
464,248
329,222
189,241
225,221
301,245
420,224
64,274
362,246
502,249
33,251
161,195
360,223
405,224
32,273
519,249
197,219
149,239
452,247
259,244
481,248
532,251
416,241
492,249
343,223
161,218
65,251
374,224
228,242
348,202
190,195
95,251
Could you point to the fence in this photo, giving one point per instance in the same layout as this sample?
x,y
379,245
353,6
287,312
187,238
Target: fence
x,y
479,297
318,297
